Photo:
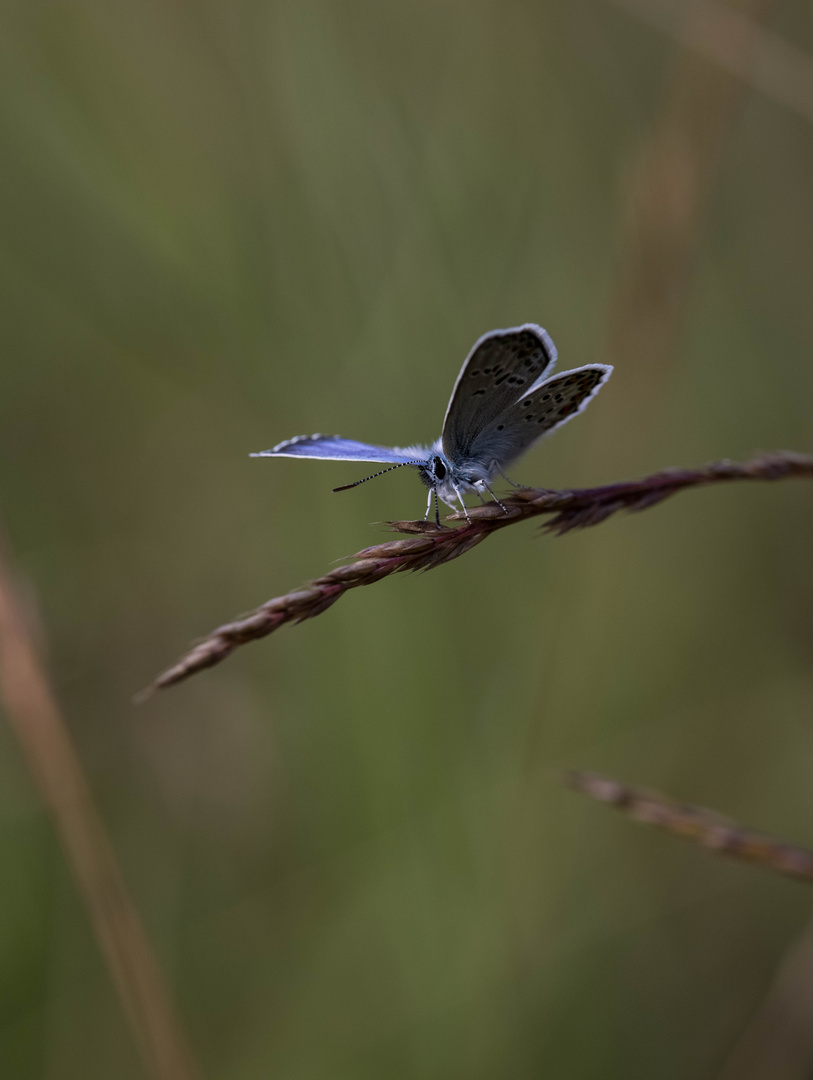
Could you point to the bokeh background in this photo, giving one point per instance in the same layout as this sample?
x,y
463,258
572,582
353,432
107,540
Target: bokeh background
x,y
227,223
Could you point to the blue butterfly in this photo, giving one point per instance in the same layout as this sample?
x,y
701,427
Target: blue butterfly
x,y
504,400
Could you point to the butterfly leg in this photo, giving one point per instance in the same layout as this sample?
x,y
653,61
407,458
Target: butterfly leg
x,y
460,500
494,497
429,507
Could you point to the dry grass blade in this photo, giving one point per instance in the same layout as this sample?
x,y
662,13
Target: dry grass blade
x,y
704,827
36,720
427,546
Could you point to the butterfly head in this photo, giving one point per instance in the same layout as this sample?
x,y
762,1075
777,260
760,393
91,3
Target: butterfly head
x,y
447,479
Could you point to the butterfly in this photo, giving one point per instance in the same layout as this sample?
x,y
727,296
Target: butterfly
x,y
504,400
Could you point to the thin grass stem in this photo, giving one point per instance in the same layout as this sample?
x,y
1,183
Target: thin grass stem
x,y
427,546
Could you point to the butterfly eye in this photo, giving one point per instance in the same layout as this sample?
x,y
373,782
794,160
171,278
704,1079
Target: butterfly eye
x,y
439,469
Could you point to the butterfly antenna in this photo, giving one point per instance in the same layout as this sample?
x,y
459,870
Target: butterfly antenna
x,y
346,487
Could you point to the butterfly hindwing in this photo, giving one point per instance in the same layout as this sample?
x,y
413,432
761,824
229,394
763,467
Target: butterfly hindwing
x,y
503,365
548,404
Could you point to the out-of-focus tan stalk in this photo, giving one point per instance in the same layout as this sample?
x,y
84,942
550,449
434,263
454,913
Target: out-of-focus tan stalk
x,y
723,51
33,714
664,199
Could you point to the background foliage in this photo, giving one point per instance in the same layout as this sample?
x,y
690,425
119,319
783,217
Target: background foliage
x,y
224,224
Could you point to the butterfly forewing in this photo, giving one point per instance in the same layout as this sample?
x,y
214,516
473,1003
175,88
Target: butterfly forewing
x,y
335,448
502,366
547,405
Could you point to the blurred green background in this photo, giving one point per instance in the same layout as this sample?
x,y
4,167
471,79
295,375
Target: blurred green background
x,y
227,223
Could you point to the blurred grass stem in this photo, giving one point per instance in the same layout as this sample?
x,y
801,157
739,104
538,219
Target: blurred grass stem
x,y
777,1043
695,823
43,736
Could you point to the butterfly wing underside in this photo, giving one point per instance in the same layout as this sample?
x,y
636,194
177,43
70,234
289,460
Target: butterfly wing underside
x,y
335,448
547,405
502,365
